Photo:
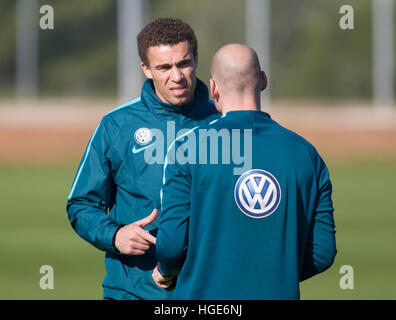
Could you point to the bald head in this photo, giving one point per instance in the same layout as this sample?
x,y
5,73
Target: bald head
x,y
236,68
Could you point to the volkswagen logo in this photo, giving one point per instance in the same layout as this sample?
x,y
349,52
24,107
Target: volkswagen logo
x,y
257,193
143,136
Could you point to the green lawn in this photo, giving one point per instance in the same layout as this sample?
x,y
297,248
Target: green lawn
x,y
364,197
35,231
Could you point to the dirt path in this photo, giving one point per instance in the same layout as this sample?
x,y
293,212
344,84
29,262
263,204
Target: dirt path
x,y
58,131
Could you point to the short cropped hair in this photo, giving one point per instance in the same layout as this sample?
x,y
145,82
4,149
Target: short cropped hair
x,y
165,31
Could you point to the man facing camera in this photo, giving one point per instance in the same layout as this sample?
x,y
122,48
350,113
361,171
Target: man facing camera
x,y
116,186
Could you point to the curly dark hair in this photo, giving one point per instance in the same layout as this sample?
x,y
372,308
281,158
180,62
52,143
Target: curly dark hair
x,y
165,31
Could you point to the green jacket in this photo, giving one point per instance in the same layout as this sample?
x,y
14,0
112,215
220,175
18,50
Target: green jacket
x,y
116,185
251,235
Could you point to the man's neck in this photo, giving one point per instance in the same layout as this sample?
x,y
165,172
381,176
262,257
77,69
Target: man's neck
x,y
244,103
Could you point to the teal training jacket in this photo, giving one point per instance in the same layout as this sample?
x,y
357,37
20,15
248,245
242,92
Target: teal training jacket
x,y
251,235
115,185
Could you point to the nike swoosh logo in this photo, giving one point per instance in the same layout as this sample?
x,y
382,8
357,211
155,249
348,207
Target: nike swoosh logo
x,y
137,150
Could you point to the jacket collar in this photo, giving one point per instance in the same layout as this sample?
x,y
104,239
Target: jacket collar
x,y
155,105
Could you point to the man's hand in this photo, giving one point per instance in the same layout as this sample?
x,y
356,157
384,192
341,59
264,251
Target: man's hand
x,y
132,239
160,280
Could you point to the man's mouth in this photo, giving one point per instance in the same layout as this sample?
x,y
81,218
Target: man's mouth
x,y
178,91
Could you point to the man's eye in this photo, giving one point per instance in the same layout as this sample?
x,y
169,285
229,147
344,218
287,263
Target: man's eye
x,y
184,64
163,68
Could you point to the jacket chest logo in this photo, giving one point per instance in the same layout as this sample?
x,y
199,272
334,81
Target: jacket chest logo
x,y
143,136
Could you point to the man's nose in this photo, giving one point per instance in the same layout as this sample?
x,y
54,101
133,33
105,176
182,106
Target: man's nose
x,y
176,75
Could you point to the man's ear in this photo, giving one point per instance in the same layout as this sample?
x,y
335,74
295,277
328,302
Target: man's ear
x,y
264,80
146,70
214,91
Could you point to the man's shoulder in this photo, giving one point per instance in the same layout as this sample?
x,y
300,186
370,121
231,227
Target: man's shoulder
x,y
265,126
123,113
124,108
296,137
295,141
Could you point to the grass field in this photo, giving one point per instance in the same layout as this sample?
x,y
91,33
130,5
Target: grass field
x,y
35,231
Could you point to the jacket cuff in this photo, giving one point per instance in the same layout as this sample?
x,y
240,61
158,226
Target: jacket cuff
x,y
166,273
107,238
114,237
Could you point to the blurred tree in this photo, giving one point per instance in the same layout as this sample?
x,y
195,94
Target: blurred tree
x,y
312,57
7,51
79,57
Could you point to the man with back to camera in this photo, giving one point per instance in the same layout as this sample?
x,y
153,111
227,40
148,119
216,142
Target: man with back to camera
x,y
115,188
251,235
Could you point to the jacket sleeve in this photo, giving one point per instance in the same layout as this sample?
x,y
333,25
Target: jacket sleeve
x,y
320,250
92,194
172,236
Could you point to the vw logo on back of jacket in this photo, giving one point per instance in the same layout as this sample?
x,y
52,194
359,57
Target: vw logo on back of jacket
x,y
257,193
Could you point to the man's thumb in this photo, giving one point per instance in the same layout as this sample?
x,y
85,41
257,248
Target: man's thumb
x,y
150,218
